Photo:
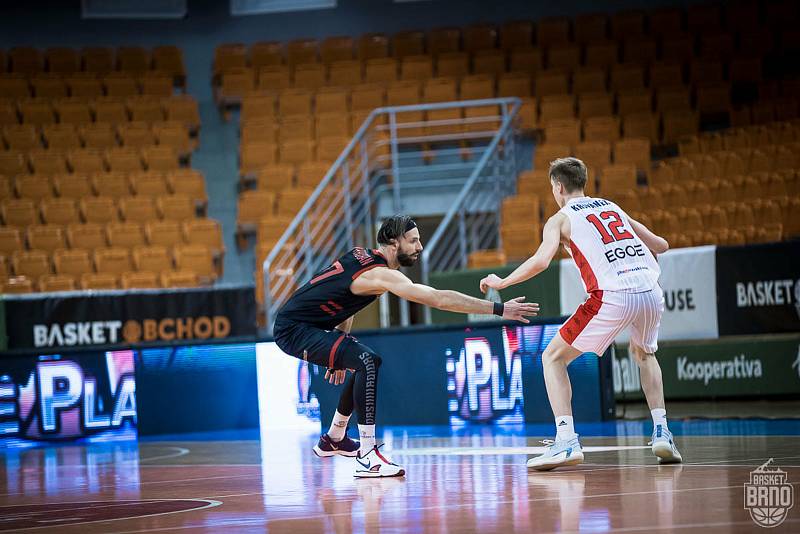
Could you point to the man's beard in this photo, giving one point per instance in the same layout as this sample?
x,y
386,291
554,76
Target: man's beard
x,y
407,260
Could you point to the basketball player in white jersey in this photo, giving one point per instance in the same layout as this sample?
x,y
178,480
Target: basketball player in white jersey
x,y
615,256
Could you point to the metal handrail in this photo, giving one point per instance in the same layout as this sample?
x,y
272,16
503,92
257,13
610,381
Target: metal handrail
x,y
371,162
465,190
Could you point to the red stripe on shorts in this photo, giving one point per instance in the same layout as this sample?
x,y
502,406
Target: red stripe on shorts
x,y
580,319
333,350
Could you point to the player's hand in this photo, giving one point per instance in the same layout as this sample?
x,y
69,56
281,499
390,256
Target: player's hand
x,y
516,309
492,281
335,377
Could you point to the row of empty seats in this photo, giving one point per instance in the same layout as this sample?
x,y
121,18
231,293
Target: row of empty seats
x,y
113,260
119,85
188,182
259,155
55,236
550,31
111,110
751,136
89,160
95,60
23,212
100,281
24,137
563,76
593,98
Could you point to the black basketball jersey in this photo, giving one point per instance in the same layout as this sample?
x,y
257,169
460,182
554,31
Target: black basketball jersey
x,y
326,300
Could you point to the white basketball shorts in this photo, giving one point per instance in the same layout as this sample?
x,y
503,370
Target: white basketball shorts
x,y
605,314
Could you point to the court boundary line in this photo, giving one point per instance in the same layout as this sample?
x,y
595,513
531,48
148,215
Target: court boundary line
x,y
364,513
210,503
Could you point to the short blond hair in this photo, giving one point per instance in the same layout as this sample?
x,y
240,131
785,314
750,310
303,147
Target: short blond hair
x,y
569,171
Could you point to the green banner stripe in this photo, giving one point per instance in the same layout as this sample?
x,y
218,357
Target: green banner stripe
x,y
542,288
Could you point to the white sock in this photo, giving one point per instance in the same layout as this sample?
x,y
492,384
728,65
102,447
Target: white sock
x,y
366,433
565,429
338,426
659,417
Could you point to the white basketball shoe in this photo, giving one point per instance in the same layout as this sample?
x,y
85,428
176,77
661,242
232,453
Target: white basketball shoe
x,y
374,464
560,453
663,446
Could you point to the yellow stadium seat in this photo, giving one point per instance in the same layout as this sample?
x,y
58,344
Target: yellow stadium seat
x,y
72,261
61,137
175,207
148,184
34,187
10,240
19,212
372,45
601,129
160,158
452,64
126,234
253,206
483,259
139,280
56,282
516,34
197,258
166,233
17,285
45,237
31,263
98,210
206,232
189,182
112,260
172,279
408,43
99,281
155,258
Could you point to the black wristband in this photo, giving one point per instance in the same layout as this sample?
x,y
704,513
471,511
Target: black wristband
x,y
499,308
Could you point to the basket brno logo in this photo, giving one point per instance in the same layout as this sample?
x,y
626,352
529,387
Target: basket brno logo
x,y
768,496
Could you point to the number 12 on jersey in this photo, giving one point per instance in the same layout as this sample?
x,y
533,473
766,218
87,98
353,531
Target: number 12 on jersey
x,y
610,231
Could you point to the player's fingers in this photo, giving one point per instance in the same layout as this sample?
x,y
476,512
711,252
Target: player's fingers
x,y
327,373
518,299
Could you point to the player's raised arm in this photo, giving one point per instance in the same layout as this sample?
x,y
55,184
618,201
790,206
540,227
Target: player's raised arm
x,y
551,237
399,284
654,242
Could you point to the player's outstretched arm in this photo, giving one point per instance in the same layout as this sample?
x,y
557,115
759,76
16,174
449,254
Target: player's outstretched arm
x,y
654,242
399,284
551,237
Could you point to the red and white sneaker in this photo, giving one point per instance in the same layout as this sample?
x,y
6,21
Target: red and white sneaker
x,y
375,465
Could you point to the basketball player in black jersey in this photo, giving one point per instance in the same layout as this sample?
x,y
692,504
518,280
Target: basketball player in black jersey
x,y
315,322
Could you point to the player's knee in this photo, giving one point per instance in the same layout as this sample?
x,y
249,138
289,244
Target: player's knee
x,y
369,361
640,354
553,356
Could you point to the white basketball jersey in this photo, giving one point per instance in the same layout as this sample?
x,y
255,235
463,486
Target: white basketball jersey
x,y
608,253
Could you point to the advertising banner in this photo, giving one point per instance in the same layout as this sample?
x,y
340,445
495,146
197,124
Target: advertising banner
x,y
116,317
690,298
759,288
727,367
465,375
88,395
197,388
543,289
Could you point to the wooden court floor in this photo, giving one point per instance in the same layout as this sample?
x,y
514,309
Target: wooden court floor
x,y
455,483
